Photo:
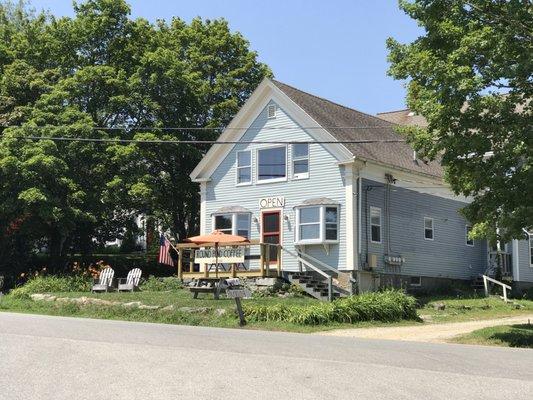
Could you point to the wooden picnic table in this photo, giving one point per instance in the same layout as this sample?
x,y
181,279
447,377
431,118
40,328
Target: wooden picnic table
x,y
207,285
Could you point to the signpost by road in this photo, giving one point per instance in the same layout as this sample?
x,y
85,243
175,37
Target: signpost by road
x,y
236,291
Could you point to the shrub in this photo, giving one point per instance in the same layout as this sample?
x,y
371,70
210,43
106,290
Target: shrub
x,y
53,283
153,284
386,306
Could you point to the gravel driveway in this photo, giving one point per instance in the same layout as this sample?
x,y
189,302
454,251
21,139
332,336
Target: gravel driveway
x,y
434,333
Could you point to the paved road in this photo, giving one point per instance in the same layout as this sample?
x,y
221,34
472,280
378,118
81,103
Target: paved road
x,y
57,358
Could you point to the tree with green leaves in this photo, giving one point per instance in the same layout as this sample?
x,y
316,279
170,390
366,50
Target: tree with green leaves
x,y
102,74
471,76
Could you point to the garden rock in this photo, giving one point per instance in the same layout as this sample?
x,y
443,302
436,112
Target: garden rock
x,y
439,306
219,312
168,308
145,307
132,304
42,297
194,310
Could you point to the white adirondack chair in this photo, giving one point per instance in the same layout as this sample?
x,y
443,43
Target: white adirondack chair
x,y
131,282
105,281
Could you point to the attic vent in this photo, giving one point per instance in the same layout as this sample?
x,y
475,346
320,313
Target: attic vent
x,y
271,111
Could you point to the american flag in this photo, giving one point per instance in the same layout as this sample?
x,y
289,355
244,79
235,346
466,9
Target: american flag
x,y
164,251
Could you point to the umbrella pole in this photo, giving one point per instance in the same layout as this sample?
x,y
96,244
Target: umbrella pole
x,y
216,260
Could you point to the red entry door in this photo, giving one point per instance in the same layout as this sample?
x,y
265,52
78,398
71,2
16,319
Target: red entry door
x,y
271,228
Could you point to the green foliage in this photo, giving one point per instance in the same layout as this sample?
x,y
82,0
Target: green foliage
x,y
101,68
387,306
52,283
469,75
168,284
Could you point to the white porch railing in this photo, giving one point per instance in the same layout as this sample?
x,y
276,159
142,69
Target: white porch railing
x,y
487,279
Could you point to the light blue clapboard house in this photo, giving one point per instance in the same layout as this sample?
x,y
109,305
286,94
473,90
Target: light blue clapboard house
x,y
369,209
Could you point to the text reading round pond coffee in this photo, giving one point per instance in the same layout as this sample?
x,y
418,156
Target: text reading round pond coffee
x,y
225,255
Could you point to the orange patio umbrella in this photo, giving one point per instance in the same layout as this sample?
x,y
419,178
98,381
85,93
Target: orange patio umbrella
x,y
216,237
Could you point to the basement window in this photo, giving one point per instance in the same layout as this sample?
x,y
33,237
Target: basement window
x,y
415,281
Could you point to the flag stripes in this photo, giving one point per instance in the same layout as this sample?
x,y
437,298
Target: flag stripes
x,y
164,252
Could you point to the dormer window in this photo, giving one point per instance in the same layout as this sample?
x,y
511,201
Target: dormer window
x,y
271,111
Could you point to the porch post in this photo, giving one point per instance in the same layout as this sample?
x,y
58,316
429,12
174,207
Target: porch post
x,y
180,263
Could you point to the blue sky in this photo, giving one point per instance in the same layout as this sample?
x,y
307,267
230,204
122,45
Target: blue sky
x,y
334,49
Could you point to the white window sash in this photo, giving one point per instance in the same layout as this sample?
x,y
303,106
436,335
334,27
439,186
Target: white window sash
x,y
432,229
321,223
373,211
239,168
271,180
303,175
467,240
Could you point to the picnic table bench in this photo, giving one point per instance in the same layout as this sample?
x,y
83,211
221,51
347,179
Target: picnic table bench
x,y
207,285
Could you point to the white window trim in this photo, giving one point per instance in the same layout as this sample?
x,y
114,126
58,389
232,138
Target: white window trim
x,y
372,208
293,159
415,284
234,227
237,168
266,181
466,237
275,108
432,229
322,225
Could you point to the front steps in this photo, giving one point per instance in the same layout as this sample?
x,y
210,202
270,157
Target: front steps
x,y
312,284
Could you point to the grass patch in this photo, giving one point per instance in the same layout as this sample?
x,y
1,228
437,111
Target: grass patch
x,y
470,309
505,335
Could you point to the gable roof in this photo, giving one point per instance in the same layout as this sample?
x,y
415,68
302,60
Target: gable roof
x,y
404,117
332,117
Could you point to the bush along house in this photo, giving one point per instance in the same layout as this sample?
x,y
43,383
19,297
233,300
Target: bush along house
x,y
343,195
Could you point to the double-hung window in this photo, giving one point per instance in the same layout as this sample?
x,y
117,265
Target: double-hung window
x,y
300,160
233,224
224,223
317,224
375,224
469,242
428,228
244,167
272,164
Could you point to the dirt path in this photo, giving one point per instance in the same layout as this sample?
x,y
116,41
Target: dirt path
x,y
428,332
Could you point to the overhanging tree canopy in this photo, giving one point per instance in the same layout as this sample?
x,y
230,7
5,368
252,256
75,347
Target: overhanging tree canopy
x,y
471,76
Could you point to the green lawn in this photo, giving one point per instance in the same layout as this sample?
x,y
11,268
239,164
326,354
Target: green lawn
x,y
505,335
470,309
455,309
177,298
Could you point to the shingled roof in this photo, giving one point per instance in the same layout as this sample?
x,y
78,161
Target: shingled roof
x,y
330,115
404,117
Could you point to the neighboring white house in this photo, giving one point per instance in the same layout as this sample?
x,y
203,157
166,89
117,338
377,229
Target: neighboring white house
x,y
339,186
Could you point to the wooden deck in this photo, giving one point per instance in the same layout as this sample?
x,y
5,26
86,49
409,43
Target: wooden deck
x,y
266,268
